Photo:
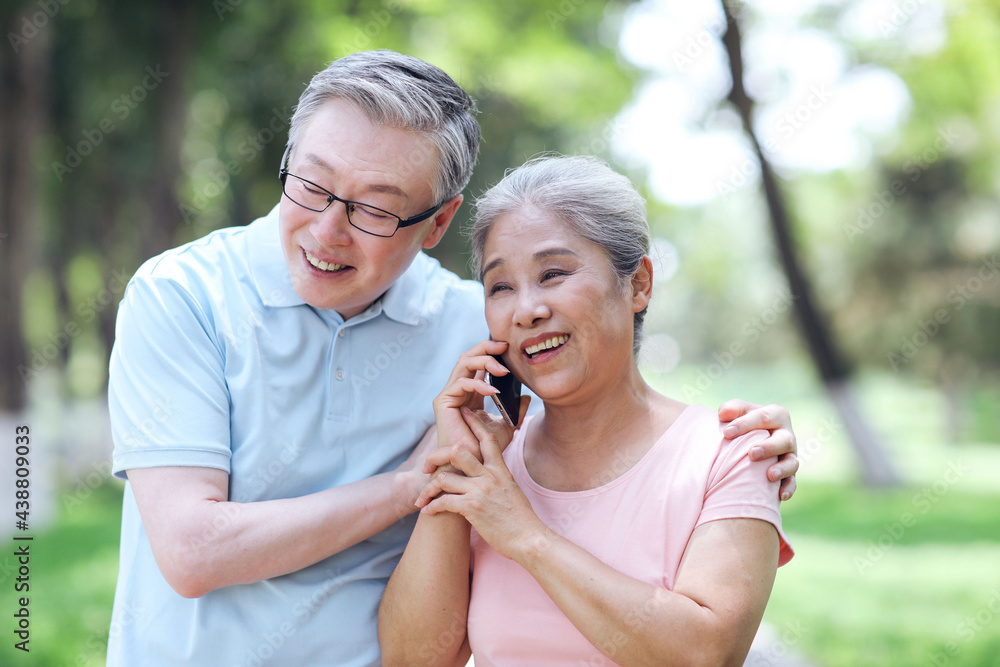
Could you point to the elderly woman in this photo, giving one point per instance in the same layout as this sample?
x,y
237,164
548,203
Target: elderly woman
x,y
619,526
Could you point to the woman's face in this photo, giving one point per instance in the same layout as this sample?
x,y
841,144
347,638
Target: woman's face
x,y
554,297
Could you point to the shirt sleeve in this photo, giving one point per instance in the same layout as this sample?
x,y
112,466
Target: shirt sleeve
x,y
167,391
738,488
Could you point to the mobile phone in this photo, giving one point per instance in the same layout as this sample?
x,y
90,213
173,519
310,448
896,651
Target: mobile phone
x,y
508,399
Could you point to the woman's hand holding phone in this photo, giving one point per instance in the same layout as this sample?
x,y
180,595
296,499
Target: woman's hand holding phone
x,y
467,387
483,491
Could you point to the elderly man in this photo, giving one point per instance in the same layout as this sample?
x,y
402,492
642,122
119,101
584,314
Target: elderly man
x,y
271,386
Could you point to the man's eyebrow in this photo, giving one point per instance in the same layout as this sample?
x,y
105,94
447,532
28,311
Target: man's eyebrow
x,y
318,161
383,188
541,254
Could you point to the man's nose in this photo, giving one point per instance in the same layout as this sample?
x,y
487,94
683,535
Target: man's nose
x,y
332,227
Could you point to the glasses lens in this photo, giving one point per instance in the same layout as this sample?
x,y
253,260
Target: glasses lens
x,y
305,194
372,219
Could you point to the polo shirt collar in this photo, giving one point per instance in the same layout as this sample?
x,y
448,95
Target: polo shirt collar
x,y
267,263
402,302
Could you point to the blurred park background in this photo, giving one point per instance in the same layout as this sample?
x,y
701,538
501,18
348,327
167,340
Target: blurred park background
x,y
823,182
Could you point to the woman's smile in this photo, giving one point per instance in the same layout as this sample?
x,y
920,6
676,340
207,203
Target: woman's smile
x,y
538,349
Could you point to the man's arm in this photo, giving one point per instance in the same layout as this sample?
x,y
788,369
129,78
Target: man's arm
x,y
203,542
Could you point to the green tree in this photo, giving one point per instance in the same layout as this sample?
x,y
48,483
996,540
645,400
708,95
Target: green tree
x,y
148,124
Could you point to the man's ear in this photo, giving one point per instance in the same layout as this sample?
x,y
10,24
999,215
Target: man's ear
x,y
440,222
642,284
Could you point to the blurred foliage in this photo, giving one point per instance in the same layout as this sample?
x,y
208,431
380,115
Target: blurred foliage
x,y
125,170
903,247
168,120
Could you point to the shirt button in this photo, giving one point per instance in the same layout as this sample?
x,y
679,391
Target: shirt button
x,y
340,334
340,374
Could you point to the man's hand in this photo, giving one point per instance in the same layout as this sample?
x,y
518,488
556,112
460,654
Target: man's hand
x,y
412,475
745,417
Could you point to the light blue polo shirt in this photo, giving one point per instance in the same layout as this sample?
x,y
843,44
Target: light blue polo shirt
x,y
218,363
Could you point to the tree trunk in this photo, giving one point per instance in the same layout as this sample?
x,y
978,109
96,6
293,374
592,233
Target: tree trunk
x,y
877,466
177,25
24,63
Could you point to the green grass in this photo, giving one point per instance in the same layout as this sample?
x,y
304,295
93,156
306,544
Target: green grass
x,y
73,570
866,589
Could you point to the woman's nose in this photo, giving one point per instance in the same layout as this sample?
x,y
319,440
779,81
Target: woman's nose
x,y
530,309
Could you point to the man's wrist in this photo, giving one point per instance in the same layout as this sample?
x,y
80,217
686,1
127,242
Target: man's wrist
x,y
407,486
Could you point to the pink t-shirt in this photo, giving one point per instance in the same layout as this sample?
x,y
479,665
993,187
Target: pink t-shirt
x,y
638,523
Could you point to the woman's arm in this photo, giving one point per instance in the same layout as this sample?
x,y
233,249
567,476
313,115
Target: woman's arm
x,y
709,618
422,617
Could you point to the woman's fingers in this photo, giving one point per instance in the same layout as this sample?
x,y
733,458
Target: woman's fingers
x,y
444,503
459,458
436,459
480,358
457,393
446,482
488,443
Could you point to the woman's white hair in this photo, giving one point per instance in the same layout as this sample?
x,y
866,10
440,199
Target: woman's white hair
x,y
598,203
404,92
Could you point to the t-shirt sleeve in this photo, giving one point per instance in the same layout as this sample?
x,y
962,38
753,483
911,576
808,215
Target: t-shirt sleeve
x,y
167,391
738,488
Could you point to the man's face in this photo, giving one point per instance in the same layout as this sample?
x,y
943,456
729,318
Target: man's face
x,y
342,151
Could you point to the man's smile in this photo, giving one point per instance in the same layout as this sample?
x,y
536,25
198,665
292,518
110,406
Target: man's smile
x,y
329,267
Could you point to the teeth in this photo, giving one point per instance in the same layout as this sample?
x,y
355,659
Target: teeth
x,y
321,265
555,341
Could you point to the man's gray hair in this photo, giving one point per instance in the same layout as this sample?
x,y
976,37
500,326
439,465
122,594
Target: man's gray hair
x,y
598,203
404,92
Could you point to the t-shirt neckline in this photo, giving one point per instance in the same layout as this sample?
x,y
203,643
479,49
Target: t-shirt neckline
x,y
597,490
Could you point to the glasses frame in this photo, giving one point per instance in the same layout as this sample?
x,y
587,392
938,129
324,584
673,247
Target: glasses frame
x,y
283,175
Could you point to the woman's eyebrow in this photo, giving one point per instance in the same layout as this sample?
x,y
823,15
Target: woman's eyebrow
x,y
544,254
489,267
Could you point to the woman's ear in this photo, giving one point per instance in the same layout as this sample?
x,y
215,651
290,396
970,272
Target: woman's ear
x,y
642,284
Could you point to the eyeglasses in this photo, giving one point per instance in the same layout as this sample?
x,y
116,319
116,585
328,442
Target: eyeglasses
x,y
369,219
